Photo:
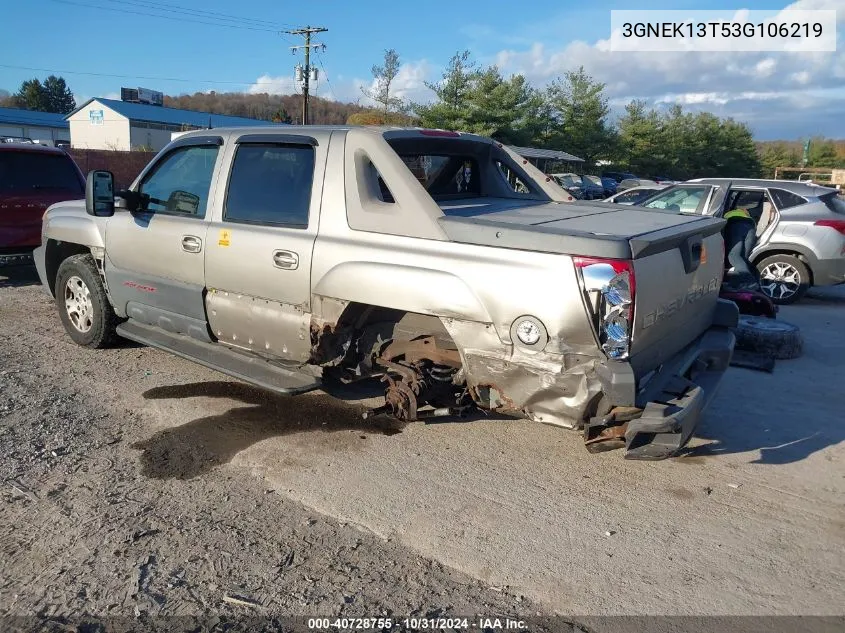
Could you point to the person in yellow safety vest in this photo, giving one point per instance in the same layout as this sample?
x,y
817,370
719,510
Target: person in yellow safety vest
x,y
740,235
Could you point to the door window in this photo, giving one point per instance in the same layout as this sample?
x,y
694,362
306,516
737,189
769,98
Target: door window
x,y
180,182
271,184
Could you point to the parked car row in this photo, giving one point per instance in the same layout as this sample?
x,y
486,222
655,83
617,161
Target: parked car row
x,y
588,187
610,183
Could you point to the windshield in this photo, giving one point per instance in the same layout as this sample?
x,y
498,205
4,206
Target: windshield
x,y
27,172
679,199
593,179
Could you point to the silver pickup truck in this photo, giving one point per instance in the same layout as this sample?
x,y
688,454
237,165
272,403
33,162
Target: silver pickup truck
x,y
440,262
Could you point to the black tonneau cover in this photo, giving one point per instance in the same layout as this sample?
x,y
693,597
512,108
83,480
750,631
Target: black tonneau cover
x,y
589,230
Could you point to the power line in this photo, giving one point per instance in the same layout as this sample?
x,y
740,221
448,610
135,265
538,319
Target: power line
x,y
214,15
93,74
165,17
326,75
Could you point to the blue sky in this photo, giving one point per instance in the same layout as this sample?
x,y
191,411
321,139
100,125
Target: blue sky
x,y
781,95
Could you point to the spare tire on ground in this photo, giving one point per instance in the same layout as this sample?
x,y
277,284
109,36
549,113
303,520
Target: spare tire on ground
x,y
773,337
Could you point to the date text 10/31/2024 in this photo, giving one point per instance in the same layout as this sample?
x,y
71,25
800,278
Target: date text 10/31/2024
x,y
415,624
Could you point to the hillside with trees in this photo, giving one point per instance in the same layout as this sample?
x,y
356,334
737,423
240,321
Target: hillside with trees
x,y
280,108
823,153
571,114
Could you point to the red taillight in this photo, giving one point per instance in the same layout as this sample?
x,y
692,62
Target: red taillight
x,y
618,265
837,225
439,133
610,286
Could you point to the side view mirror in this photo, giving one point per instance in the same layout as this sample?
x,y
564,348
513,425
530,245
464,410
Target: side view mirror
x,y
183,202
99,193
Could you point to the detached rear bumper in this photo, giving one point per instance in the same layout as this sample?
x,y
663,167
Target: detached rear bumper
x,y
670,401
672,411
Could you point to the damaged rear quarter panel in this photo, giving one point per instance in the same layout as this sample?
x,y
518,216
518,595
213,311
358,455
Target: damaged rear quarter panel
x,y
552,387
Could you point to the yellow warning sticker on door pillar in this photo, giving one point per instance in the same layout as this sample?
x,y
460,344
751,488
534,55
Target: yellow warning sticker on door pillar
x,y
224,238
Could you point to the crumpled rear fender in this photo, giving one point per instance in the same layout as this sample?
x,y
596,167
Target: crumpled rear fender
x,y
556,388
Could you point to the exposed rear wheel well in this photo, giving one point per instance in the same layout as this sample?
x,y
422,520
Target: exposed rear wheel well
x,y
55,253
361,326
408,324
785,251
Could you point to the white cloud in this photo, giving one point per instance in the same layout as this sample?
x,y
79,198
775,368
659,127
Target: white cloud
x,y
282,85
766,67
409,84
750,86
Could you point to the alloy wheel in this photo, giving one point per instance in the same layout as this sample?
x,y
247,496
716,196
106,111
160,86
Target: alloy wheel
x,y
78,304
780,280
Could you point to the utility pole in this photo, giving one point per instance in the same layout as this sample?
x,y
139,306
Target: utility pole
x,y
306,74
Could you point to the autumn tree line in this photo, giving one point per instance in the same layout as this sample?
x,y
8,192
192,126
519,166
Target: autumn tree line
x,y
572,114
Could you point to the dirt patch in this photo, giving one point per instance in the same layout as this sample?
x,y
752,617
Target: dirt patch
x,y
105,516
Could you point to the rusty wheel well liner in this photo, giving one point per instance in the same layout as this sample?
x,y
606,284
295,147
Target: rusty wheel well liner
x,y
330,339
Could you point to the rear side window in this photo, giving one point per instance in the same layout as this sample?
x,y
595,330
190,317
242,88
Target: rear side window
x,y
28,172
785,199
271,184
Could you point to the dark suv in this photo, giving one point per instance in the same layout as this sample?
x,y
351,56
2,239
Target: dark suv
x,y
32,177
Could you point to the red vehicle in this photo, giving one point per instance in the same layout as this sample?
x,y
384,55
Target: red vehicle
x,y
32,177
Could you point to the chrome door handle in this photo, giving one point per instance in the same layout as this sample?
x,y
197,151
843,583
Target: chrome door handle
x,y
191,244
286,259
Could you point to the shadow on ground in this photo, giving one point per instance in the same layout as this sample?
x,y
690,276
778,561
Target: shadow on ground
x,y
824,294
779,449
780,436
195,448
19,275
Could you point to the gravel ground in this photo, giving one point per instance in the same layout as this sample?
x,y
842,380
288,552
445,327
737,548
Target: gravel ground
x,y
139,485
101,517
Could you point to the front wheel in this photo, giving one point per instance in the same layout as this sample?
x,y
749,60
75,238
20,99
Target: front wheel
x,y
84,308
784,278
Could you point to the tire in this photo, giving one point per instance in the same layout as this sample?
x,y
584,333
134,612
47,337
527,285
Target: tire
x,y
784,278
83,306
771,337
